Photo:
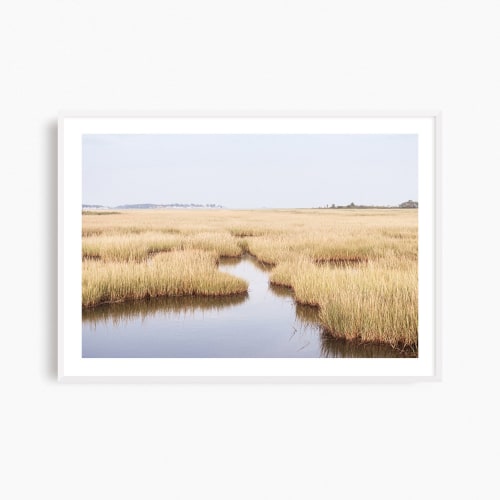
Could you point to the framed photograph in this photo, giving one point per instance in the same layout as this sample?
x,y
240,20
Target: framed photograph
x,y
249,247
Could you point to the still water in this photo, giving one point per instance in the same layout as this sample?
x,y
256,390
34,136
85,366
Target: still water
x,y
264,323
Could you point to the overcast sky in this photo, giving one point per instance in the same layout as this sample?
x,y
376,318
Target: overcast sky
x,y
250,171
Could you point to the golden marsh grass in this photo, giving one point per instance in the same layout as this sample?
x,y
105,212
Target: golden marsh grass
x,y
359,267
188,272
371,302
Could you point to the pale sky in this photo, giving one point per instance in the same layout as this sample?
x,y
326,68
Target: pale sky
x,y
250,171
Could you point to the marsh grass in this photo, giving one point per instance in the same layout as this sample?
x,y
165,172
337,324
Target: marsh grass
x,y
370,303
139,246
190,272
223,244
359,268
128,247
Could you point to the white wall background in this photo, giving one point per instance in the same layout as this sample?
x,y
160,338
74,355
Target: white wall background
x,y
421,441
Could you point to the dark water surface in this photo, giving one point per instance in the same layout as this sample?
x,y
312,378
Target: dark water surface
x,y
264,323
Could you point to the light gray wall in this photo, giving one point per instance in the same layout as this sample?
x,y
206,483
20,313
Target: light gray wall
x,y
386,442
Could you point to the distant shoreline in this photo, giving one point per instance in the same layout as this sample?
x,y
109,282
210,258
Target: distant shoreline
x,y
410,204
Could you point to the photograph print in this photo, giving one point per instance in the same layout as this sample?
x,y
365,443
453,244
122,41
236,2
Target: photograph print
x,y
248,245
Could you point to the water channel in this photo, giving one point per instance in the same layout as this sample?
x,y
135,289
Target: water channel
x,y
264,323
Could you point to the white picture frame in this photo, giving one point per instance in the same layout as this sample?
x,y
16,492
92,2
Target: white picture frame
x,y
73,368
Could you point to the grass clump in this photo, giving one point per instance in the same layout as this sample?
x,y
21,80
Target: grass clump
x,y
372,302
191,272
378,305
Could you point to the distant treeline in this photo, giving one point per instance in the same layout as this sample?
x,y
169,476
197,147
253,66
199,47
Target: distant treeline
x,y
405,204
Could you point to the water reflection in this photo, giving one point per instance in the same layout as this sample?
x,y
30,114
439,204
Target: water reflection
x,y
332,347
265,323
183,306
280,291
